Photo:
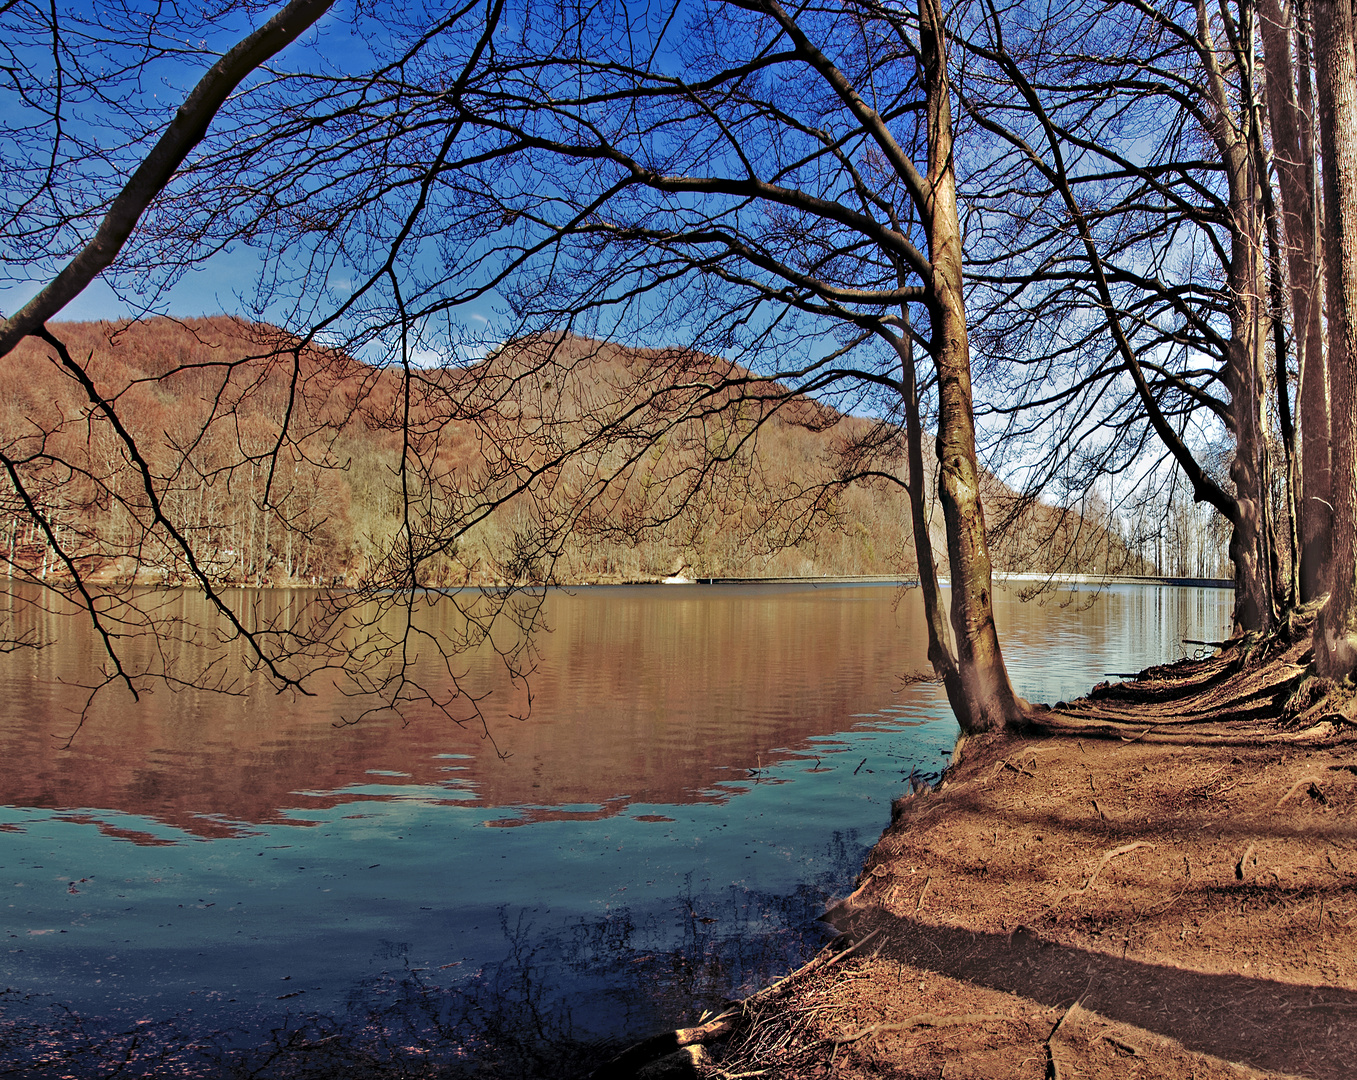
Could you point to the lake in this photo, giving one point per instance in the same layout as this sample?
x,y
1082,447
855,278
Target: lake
x,y
196,882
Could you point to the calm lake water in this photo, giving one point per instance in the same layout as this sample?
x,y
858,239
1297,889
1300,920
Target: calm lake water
x,y
199,882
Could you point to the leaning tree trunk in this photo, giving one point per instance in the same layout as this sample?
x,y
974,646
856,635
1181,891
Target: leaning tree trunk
x,y
1293,152
980,692
1336,68
939,640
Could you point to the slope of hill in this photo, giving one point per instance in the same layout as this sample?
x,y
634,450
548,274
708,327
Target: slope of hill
x,y
556,459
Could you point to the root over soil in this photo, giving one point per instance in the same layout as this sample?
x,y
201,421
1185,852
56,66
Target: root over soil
x,y
1159,880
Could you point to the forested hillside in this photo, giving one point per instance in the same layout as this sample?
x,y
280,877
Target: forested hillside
x,y
747,481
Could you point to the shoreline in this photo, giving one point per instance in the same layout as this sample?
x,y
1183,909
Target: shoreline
x,y
1065,905
1001,579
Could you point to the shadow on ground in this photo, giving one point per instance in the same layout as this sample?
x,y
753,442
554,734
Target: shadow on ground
x,y
1277,1026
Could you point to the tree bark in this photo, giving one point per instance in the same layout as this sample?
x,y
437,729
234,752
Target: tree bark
x,y
939,643
980,692
1293,153
1251,542
1336,69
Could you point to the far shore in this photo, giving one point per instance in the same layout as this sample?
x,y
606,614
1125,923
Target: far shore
x,y
1000,577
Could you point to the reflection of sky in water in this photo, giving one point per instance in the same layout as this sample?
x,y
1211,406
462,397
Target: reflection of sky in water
x,y
310,901
1060,645
384,876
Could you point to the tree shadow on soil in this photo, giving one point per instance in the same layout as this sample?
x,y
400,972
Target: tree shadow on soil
x,y
1278,1026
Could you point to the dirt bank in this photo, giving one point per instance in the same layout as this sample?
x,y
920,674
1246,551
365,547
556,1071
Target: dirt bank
x,y
1101,903
1199,904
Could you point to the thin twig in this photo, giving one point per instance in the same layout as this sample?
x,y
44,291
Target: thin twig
x,y
932,1020
1297,786
1114,853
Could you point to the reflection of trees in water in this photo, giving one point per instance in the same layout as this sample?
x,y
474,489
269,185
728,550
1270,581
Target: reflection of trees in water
x,y
552,1007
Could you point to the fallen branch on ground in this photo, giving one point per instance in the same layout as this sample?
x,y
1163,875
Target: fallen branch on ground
x,y
932,1020
1315,791
1052,1064
655,1047
1114,853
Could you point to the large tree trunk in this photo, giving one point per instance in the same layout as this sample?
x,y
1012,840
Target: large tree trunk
x,y
981,695
1251,542
1293,152
1336,632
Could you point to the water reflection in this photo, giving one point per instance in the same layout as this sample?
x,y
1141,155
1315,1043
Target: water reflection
x,y
640,696
701,768
643,695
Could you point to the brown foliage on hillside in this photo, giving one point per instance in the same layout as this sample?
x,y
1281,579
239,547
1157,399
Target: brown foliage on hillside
x,y
234,438
556,459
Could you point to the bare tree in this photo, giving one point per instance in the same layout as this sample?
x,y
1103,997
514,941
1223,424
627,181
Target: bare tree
x,y
685,191
1336,67
1290,106
1138,190
773,188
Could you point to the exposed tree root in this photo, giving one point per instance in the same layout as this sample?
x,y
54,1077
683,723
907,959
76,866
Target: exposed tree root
x,y
1257,688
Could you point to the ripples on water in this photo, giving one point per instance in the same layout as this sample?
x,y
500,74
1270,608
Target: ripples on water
x,y
200,884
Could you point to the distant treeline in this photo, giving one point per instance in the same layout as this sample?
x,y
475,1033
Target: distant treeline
x,y
283,464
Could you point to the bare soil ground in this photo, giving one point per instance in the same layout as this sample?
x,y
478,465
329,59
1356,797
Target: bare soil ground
x,y
1159,881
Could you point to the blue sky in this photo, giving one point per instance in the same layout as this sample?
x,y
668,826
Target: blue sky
x,y
213,288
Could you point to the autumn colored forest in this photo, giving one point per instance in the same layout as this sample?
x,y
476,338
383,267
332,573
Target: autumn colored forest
x,y
764,489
